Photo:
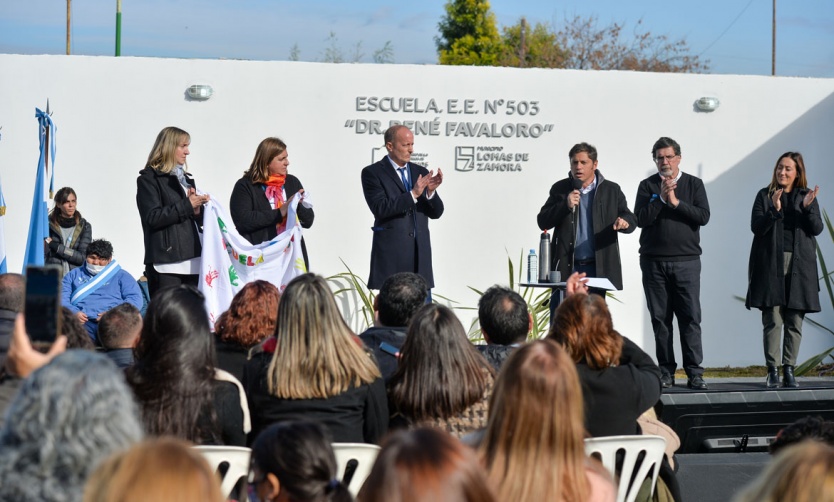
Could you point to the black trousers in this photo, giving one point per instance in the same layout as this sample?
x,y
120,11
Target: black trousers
x,y
157,281
674,288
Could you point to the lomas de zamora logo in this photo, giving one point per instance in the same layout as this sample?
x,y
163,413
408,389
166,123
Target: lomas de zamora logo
x,y
488,158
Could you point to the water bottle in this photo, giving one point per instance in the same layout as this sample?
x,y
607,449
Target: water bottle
x,y
532,266
544,258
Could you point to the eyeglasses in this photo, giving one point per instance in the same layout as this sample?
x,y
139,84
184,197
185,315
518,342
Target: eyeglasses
x,y
667,158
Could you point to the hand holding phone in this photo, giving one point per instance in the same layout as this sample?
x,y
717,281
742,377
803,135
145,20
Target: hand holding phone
x,y
43,305
22,358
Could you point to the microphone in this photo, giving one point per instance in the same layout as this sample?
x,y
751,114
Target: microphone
x,y
577,185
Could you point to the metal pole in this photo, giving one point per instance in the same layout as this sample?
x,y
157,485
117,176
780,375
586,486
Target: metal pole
x,y
773,48
69,11
118,28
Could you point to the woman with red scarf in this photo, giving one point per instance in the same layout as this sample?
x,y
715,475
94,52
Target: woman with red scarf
x,y
261,197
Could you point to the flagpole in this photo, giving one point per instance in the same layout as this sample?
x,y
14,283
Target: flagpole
x,y
69,11
118,28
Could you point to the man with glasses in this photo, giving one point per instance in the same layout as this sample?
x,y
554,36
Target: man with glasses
x,y
671,208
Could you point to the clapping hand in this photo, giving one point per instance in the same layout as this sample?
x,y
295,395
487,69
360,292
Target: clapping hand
x,y
576,283
777,200
620,224
434,180
810,196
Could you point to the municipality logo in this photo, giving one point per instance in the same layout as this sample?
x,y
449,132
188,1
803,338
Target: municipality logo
x,y
464,158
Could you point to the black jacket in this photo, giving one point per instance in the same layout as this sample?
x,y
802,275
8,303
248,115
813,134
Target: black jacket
x,y
169,225
76,253
609,204
255,220
376,335
766,286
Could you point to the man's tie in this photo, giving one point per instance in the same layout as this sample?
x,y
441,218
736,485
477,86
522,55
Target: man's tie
x,y
406,184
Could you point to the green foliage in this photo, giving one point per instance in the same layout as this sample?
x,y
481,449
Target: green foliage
x,y
816,360
538,303
468,34
348,284
385,55
524,47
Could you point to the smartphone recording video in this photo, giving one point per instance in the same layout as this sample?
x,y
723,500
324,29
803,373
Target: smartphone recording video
x,y
43,305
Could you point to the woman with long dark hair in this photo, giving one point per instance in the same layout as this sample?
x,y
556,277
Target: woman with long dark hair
x,y
442,380
319,369
261,197
173,377
171,213
69,233
533,447
294,461
783,276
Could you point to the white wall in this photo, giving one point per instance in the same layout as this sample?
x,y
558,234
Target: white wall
x,y
109,110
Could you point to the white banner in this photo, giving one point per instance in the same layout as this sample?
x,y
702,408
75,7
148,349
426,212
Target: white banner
x,y
229,261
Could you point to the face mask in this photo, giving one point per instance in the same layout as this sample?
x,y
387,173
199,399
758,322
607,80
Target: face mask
x,y
94,269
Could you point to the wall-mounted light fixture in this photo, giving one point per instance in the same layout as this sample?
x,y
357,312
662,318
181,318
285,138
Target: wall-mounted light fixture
x,y
199,92
707,104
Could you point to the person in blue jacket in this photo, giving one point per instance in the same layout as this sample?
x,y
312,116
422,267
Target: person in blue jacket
x,y
98,286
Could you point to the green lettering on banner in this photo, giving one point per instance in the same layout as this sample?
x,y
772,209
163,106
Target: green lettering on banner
x,y
233,277
222,225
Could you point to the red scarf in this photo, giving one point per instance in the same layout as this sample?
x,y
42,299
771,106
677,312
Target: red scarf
x,y
274,186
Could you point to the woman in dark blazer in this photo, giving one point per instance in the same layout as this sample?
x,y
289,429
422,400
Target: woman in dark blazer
x,y
261,197
171,213
783,277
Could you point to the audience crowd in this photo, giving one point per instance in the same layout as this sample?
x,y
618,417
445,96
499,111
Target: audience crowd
x,y
112,415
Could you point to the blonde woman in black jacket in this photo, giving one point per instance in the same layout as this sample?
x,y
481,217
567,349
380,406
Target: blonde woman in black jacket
x,y
171,213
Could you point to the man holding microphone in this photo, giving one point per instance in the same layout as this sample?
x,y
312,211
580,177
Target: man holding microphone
x,y
586,212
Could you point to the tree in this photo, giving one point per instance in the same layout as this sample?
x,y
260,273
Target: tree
x,y
536,48
385,55
590,47
468,34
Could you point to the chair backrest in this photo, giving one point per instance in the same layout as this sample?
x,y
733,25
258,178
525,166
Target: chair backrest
x,y
355,461
607,448
231,463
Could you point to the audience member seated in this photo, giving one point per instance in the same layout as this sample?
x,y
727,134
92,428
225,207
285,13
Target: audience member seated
x,y
73,329
249,321
293,461
98,286
68,416
118,332
442,380
12,300
802,472
400,296
426,465
811,427
619,380
157,469
319,370
173,376
505,322
533,447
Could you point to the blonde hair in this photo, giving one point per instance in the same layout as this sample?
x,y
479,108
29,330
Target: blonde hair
x,y
317,355
161,157
157,469
803,472
534,448
267,150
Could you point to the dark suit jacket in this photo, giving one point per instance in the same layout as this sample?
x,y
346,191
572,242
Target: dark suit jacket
x,y
401,240
255,220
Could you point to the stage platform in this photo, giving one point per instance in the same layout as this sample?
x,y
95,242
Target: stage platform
x,y
741,414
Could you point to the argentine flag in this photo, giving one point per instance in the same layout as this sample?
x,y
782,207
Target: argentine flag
x,y
3,266
39,223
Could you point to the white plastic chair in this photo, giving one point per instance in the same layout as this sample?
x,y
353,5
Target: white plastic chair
x,y
606,449
355,458
237,458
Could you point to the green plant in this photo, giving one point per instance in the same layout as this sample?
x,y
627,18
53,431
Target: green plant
x,y
816,360
349,284
538,303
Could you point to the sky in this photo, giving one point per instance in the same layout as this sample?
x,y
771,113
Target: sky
x,y
733,35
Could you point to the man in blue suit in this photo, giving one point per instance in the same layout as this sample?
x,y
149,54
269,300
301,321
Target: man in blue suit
x,y
402,197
